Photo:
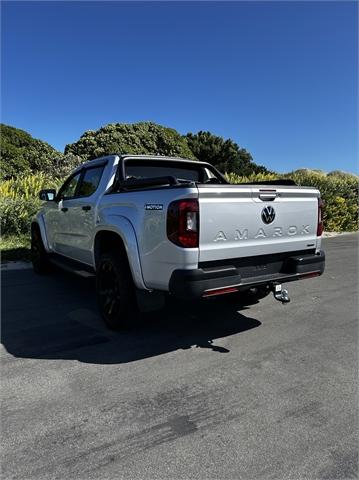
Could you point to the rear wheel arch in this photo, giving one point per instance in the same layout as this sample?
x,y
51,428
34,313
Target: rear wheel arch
x,y
111,239
107,241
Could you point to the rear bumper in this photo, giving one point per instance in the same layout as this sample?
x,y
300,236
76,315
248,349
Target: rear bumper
x,y
245,273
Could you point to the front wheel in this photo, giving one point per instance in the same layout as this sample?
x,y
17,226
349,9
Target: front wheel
x,y
39,256
116,291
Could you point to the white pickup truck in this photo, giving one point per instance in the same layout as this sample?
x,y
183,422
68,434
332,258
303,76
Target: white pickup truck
x,y
147,226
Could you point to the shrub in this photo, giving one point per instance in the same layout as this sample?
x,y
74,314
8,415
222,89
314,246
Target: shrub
x,y
19,201
16,215
21,154
19,197
339,192
28,186
254,177
62,166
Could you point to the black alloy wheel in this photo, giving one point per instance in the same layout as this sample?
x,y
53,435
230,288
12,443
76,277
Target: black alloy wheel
x,y
116,291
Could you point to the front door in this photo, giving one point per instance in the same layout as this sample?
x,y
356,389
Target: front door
x,y
57,217
79,218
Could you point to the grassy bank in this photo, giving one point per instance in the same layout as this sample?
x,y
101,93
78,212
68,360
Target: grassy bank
x,y
15,247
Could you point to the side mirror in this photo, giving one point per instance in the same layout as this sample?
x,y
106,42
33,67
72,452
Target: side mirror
x,y
47,195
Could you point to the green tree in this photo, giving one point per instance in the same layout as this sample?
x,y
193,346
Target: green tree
x,y
23,154
138,138
226,155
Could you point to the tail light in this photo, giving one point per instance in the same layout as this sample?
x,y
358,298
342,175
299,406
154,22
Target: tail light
x,y
183,223
320,227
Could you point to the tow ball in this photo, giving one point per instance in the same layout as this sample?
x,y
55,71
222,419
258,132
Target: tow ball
x,y
280,293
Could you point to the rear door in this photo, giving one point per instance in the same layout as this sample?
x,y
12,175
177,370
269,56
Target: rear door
x,y
246,220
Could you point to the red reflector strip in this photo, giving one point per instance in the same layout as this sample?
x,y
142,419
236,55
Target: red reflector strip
x,y
220,291
310,275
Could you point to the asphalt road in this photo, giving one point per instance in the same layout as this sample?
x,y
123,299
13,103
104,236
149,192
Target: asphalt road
x,y
199,392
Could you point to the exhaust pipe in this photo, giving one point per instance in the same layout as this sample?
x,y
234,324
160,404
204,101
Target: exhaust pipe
x,y
280,294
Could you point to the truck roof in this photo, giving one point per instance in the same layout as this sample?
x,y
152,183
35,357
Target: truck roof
x,y
140,157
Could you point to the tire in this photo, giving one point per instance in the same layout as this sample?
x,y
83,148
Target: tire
x,y
116,291
39,256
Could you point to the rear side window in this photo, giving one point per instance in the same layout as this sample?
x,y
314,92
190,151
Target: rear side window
x,y
90,181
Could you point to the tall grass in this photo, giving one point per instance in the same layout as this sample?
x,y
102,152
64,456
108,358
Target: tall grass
x,y
19,201
27,187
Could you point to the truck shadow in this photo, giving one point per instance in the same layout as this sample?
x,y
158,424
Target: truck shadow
x,y
55,317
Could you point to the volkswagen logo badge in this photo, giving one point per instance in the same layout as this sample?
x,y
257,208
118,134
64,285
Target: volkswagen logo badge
x,y
268,215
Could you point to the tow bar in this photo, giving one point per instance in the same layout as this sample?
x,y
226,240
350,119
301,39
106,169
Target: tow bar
x,y
280,294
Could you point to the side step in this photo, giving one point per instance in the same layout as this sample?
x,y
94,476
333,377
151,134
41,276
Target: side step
x,y
72,266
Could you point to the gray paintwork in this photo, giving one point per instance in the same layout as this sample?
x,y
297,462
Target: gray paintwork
x,y
230,223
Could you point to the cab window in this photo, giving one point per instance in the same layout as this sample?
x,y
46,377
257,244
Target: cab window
x,y
90,181
68,189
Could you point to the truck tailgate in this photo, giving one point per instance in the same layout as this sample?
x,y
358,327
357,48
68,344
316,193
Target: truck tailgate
x,y
247,220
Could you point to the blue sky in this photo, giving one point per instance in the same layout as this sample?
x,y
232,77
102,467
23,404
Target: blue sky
x,y
279,78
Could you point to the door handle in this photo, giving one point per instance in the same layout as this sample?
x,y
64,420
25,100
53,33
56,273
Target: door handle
x,y
64,209
267,197
86,208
